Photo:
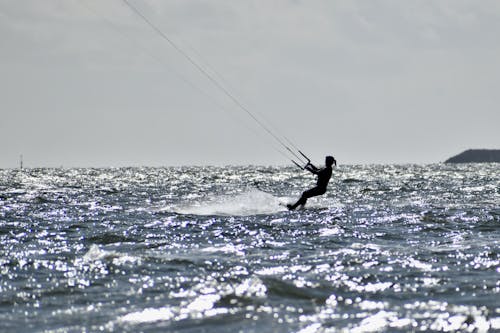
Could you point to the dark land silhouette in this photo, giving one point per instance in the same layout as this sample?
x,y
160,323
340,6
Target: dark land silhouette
x,y
476,156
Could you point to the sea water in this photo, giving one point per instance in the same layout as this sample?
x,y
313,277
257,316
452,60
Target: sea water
x,y
208,249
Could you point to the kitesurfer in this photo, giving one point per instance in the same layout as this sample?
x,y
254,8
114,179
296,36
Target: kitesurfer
x,y
324,176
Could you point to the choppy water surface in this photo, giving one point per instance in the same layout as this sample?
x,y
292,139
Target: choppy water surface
x,y
199,249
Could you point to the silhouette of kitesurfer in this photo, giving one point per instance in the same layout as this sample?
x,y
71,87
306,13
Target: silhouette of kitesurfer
x,y
324,176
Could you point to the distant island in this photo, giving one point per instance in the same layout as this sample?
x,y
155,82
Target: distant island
x,y
476,156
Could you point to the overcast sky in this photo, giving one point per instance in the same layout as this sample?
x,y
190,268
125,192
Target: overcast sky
x,y
87,83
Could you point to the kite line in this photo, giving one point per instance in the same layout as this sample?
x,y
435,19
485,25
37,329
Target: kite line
x,y
295,152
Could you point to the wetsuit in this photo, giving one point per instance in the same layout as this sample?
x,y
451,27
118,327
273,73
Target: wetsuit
x,y
324,176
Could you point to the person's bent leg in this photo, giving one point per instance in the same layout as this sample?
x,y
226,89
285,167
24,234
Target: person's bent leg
x,y
306,195
303,199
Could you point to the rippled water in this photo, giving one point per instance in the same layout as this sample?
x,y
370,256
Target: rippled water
x,y
202,249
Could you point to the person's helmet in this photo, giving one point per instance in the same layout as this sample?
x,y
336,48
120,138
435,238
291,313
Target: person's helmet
x,y
329,160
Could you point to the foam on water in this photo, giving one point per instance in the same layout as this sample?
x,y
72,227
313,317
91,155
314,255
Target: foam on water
x,y
251,202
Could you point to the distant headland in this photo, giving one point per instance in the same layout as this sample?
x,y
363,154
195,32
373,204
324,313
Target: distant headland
x,y
476,156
